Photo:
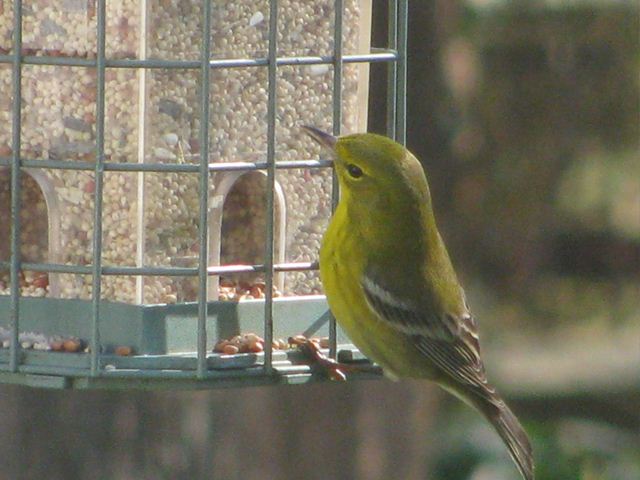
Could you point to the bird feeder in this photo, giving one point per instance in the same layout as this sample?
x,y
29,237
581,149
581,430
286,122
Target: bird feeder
x,y
156,194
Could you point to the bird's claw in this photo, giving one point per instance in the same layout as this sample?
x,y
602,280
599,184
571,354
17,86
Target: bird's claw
x,y
311,348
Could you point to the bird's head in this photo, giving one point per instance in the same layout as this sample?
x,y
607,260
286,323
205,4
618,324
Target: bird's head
x,y
372,168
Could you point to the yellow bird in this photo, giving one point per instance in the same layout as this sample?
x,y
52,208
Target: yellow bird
x,y
390,283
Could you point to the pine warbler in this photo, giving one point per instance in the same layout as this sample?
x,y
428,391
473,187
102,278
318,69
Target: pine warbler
x,y
390,283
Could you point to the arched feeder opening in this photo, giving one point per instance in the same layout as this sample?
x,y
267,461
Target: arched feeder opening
x,y
238,234
37,232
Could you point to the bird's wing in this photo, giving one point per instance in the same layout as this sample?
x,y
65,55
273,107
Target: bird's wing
x,y
449,342
404,315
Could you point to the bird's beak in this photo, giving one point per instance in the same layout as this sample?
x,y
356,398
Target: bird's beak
x,y
324,139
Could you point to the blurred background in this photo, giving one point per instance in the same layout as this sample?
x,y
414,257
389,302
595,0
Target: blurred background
x,y
526,115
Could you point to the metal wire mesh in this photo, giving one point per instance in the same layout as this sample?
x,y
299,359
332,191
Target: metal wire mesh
x,y
394,56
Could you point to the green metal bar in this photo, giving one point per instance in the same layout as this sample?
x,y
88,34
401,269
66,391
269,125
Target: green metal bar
x,y
282,165
203,254
67,165
166,380
270,187
401,92
35,380
89,269
57,268
99,186
162,271
167,167
337,68
392,69
379,55
14,309
277,267
337,128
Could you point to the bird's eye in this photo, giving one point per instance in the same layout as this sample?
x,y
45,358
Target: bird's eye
x,y
354,170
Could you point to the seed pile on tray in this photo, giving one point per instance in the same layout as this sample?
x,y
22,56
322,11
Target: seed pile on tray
x,y
32,284
237,291
55,343
38,341
253,343
152,116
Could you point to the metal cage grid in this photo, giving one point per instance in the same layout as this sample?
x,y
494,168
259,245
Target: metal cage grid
x,y
394,55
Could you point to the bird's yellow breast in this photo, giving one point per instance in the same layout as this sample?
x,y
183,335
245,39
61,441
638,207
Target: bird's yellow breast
x,y
342,263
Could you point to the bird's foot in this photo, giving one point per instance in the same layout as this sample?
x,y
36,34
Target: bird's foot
x,y
311,348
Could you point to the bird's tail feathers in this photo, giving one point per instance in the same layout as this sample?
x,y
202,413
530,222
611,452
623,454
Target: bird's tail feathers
x,y
508,427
